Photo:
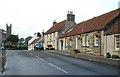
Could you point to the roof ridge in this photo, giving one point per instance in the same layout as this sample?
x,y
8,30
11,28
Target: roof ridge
x,y
55,27
95,23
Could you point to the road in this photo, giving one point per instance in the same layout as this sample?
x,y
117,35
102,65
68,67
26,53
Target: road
x,y
23,62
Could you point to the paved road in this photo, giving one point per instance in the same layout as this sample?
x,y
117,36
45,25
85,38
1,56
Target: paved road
x,y
21,62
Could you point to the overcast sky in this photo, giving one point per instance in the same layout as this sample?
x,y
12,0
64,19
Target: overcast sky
x,y
30,16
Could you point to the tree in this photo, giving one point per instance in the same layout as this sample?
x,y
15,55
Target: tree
x,y
13,39
27,39
21,40
38,34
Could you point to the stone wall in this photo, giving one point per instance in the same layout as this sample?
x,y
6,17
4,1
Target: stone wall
x,y
91,49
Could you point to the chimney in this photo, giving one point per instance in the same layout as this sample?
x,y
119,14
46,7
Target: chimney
x,y
54,22
70,16
43,33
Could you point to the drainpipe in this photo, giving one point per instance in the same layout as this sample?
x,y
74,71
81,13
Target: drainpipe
x,y
100,42
76,42
64,44
106,44
60,44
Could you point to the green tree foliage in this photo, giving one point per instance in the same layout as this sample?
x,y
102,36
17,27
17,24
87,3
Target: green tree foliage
x,y
38,34
27,39
12,39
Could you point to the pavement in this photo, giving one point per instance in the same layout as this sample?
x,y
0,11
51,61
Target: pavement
x,y
94,58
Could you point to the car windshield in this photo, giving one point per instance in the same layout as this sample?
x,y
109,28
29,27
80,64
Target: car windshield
x,y
37,44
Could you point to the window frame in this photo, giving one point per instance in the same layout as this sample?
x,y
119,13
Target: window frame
x,y
96,41
117,41
85,40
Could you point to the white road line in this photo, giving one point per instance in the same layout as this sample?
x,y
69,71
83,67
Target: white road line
x,y
4,68
31,54
39,58
58,68
67,54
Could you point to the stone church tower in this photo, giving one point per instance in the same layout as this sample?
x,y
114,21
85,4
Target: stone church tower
x,y
8,30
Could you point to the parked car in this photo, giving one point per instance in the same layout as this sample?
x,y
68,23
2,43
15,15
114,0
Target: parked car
x,y
50,47
38,46
2,48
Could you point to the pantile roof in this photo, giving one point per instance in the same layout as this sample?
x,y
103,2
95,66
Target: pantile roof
x,y
94,24
56,27
34,41
114,29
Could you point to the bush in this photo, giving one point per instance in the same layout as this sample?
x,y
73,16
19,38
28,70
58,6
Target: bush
x,y
76,51
115,56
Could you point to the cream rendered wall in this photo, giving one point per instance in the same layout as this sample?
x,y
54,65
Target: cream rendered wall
x,y
102,42
51,39
105,45
110,45
56,40
45,41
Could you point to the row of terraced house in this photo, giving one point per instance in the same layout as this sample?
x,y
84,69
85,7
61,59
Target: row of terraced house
x,y
98,36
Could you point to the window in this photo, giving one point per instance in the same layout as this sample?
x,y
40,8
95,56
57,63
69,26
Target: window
x,y
117,41
85,40
66,42
96,40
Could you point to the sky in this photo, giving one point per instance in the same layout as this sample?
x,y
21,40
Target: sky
x,y
30,16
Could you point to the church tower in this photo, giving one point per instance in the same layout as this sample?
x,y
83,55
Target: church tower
x,y
8,29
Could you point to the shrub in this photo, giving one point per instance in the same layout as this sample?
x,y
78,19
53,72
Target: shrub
x,y
115,56
76,51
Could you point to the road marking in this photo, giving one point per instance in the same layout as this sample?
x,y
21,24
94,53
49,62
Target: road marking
x,y
58,68
5,66
31,54
36,56
67,54
39,58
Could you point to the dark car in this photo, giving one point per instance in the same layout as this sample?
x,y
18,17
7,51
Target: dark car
x,y
38,46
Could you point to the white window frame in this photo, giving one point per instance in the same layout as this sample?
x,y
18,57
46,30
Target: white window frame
x,y
117,41
83,40
87,40
96,41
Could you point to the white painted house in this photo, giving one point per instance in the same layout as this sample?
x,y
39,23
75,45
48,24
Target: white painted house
x,y
32,42
57,30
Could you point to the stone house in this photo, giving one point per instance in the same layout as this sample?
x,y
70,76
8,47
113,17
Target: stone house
x,y
57,30
88,36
